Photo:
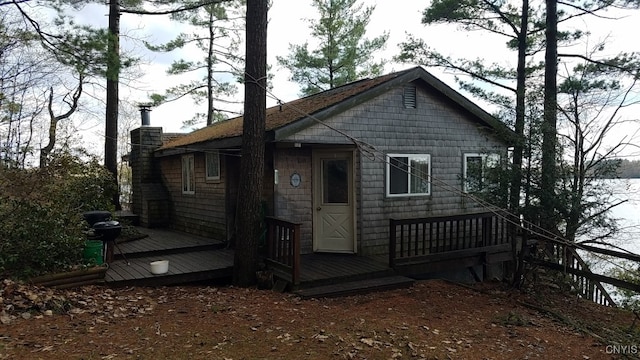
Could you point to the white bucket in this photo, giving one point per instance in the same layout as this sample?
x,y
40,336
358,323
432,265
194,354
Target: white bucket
x,y
159,267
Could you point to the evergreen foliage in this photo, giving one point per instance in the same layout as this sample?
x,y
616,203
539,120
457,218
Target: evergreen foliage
x,y
343,53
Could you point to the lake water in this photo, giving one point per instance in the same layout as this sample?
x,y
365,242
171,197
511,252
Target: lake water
x,y
628,213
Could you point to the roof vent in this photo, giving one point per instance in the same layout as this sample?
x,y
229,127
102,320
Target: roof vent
x,y
409,97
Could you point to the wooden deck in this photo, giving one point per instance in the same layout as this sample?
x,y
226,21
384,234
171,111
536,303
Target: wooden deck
x,y
162,240
184,267
191,258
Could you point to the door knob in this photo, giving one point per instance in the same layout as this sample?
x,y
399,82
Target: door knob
x,y
318,208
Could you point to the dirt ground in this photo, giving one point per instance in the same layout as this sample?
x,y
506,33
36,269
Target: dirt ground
x,y
431,320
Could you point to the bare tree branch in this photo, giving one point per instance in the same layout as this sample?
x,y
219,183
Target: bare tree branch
x,y
174,11
585,10
13,2
55,119
632,70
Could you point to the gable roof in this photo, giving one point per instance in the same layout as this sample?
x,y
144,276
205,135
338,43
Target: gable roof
x,y
285,119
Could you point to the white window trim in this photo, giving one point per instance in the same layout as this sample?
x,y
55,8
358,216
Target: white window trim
x,y
208,154
410,157
188,175
484,158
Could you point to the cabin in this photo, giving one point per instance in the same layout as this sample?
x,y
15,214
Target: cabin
x,y
384,167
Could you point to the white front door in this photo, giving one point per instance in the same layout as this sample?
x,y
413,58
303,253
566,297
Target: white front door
x,y
333,202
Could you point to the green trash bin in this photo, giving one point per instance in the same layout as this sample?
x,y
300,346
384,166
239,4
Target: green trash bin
x,y
93,252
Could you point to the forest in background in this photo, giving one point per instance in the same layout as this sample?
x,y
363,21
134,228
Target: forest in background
x,y
628,169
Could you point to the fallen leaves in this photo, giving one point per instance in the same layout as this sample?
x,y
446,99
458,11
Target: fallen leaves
x,y
199,322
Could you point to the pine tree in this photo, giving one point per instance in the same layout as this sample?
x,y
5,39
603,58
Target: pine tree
x,y
217,34
343,54
253,146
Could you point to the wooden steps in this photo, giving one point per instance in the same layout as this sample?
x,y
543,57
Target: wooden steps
x,y
356,287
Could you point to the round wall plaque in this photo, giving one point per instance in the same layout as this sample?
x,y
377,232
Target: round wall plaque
x,y
296,179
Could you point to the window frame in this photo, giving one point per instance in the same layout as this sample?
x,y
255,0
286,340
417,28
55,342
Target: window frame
x,y
188,174
207,175
484,165
409,157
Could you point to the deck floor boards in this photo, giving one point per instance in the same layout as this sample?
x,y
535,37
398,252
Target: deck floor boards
x,y
162,240
184,264
191,258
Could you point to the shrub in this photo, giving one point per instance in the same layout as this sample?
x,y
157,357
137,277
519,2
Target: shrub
x,y
630,272
41,223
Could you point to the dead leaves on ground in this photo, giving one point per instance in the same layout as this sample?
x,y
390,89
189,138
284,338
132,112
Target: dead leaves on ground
x,y
430,320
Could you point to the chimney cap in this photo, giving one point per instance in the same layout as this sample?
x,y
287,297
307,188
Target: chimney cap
x,y
144,106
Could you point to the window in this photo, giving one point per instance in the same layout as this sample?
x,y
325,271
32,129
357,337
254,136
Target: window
x,y
188,178
408,174
409,97
335,181
476,168
213,165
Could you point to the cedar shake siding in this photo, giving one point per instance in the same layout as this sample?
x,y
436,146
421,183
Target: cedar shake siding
x,y
436,127
385,113
210,210
295,203
203,212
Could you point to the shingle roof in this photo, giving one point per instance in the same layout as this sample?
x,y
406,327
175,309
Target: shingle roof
x,y
281,115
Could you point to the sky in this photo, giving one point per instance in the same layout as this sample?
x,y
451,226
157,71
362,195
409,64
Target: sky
x,y
287,25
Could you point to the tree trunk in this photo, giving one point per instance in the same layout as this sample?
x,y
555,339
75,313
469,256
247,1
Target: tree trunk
x,y
549,131
253,146
210,69
111,117
53,126
45,152
518,148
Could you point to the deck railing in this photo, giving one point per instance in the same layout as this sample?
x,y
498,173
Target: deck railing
x,y
424,236
563,257
283,248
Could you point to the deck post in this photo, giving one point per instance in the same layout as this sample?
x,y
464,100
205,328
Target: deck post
x,y
486,231
295,273
271,239
392,243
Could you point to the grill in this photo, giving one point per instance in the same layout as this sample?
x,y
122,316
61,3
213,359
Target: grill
x,y
106,230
